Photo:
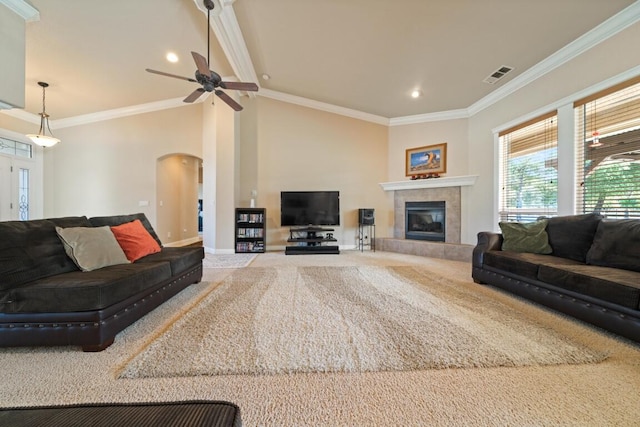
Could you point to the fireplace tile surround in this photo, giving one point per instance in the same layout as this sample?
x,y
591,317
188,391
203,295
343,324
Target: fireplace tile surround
x,y
447,189
451,197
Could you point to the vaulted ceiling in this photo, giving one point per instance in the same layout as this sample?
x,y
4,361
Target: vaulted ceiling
x,y
361,56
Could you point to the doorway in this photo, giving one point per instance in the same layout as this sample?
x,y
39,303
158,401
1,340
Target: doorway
x,y
178,179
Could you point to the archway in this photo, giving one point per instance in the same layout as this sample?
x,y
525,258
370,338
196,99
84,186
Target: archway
x,y
178,190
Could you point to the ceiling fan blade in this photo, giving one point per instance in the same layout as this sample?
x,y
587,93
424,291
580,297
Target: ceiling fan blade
x,y
239,86
194,95
171,75
226,98
201,63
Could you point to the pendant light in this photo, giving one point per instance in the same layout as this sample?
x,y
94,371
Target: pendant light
x,y
41,138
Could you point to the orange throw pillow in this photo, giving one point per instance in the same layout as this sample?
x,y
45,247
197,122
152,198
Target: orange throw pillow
x,y
135,240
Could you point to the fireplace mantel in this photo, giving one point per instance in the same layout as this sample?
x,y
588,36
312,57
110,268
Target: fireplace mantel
x,y
448,181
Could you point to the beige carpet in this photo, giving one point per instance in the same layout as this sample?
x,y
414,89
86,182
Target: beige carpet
x,y
349,319
227,260
591,394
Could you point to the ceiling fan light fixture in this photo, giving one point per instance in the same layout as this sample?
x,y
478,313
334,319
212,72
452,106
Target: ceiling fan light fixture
x,y
42,139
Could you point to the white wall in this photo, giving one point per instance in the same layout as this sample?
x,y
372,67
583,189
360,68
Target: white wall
x,y
12,52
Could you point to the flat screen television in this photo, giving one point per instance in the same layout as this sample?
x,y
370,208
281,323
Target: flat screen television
x,y
302,208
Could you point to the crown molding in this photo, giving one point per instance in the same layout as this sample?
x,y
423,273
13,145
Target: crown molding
x,y
20,114
568,100
102,115
122,112
227,30
430,117
602,32
23,9
317,105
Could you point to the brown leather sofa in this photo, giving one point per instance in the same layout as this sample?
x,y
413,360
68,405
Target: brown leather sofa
x,y
592,273
46,300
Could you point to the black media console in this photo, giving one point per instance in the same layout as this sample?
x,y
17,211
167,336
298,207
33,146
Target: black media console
x,y
309,240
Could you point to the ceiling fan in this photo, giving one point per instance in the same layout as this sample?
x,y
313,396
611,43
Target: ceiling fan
x,y
210,80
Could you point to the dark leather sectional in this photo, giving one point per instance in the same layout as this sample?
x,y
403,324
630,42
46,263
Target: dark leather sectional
x,y
45,300
593,273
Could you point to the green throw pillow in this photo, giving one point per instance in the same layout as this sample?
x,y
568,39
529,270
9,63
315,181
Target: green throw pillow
x,y
525,237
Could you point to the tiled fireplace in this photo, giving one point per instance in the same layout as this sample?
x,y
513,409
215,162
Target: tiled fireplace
x,y
446,192
450,196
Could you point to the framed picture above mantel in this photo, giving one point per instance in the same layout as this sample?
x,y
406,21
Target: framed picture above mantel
x,y
428,161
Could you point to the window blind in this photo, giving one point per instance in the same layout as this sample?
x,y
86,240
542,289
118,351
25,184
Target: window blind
x,y
529,169
608,151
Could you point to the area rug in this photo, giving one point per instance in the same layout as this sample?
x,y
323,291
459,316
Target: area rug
x,y
227,260
351,319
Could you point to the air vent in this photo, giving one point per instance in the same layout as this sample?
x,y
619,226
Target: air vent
x,y
498,74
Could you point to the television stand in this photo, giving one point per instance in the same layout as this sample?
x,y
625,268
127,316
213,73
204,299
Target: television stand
x,y
309,240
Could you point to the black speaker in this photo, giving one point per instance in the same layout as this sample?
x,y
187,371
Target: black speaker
x,y
366,217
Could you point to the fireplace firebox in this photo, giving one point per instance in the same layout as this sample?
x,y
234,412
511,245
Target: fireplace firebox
x,y
425,221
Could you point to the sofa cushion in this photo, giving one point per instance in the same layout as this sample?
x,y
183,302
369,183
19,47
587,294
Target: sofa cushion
x,y
135,240
571,236
525,237
30,250
91,248
84,291
121,219
521,263
180,259
618,286
616,244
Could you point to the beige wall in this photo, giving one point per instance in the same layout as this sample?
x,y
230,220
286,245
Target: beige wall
x,y
109,167
177,198
610,58
453,132
301,149
471,146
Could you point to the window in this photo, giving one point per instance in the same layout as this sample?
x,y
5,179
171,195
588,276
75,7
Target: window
x,y
608,151
23,194
15,148
528,169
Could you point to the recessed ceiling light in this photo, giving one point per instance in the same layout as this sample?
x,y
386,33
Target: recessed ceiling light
x,y
172,57
266,76
416,93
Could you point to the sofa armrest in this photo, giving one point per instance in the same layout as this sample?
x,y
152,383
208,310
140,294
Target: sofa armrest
x,y
487,241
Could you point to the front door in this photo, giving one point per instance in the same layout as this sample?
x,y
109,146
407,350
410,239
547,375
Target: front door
x,y
16,189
